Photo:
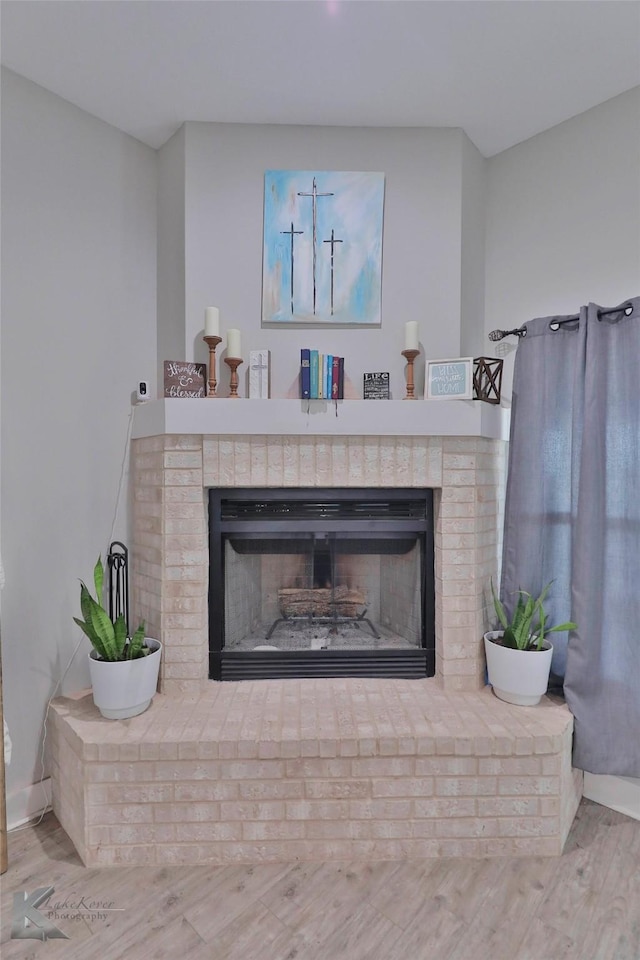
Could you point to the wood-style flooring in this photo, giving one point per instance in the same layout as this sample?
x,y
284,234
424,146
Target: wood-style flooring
x,y
584,905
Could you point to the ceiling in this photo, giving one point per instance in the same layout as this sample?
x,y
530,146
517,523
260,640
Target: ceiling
x,y
503,71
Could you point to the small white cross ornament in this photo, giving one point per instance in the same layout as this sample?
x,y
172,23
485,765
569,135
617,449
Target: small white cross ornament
x,y
259,374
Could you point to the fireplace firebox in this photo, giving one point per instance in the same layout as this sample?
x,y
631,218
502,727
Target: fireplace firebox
x,y
321,583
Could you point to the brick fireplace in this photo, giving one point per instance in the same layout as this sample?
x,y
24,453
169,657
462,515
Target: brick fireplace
x,y
313,769
171,474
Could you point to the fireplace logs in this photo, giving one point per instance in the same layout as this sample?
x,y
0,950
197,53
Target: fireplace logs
x,y
320,602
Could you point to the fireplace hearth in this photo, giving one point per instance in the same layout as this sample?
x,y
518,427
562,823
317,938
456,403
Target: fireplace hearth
x,y
326,582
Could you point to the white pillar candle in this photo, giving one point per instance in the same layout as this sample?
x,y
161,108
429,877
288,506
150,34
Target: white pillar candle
x,y
234,341
212,322
411,335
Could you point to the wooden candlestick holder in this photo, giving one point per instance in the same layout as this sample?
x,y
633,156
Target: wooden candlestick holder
x,y
233,363
411,356
213,343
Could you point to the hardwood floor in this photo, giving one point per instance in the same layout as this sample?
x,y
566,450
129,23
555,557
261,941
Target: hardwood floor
x,y
584,905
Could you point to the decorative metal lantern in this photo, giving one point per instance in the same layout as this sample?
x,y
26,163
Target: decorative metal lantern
x,y
487,379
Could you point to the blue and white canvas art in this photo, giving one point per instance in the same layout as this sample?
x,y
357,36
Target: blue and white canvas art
x,y
322,260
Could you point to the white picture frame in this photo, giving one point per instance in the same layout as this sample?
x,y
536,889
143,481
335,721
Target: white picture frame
x,y
449,379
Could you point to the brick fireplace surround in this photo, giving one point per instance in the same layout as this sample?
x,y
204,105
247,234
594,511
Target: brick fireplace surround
x,y
345,769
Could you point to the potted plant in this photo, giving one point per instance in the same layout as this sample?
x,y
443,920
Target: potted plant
x,y
123,669
519,655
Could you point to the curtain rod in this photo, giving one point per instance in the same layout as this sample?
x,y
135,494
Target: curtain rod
x,y
554,324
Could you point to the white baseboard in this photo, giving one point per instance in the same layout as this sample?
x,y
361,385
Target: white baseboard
x,y
28,804
619,793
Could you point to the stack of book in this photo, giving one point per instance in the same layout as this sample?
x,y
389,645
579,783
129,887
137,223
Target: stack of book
x,y
321,376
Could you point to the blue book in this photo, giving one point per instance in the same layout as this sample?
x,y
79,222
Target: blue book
x,y
313,365
328,369
305,383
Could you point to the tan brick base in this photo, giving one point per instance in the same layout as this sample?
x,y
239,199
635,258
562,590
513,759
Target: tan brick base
x,y
343,769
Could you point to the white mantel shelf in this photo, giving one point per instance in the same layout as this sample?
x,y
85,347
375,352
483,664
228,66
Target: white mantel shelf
x,y
407,418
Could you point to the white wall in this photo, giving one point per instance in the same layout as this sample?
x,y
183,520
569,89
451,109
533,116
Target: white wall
x,y
78,331
225,165
563,218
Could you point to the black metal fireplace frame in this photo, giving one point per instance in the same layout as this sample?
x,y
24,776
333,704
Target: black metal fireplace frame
x,y
358,512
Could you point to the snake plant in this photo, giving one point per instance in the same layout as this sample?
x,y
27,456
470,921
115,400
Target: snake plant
x,y
528,625
109,638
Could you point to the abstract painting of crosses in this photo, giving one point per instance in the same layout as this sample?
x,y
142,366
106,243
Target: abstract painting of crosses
x,y
322,257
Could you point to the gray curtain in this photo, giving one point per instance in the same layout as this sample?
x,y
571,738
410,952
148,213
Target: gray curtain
x,y
573,516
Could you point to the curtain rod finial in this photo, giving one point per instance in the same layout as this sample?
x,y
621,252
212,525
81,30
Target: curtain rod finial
x,y
501,334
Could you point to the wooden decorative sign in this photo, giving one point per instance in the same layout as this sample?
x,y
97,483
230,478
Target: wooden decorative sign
x,y
185,379
376,386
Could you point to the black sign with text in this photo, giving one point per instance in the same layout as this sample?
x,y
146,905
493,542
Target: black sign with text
x,y
376,386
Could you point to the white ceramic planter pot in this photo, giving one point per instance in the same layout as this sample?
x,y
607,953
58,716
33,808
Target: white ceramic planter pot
x,y
125,689
517,676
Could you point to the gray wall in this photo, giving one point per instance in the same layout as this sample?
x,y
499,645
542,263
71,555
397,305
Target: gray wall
x,y
563,218
472,265
171,255
225,165
78,331
563,229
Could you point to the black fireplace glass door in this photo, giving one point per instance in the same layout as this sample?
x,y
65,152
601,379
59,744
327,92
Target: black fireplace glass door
x,y
320,583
